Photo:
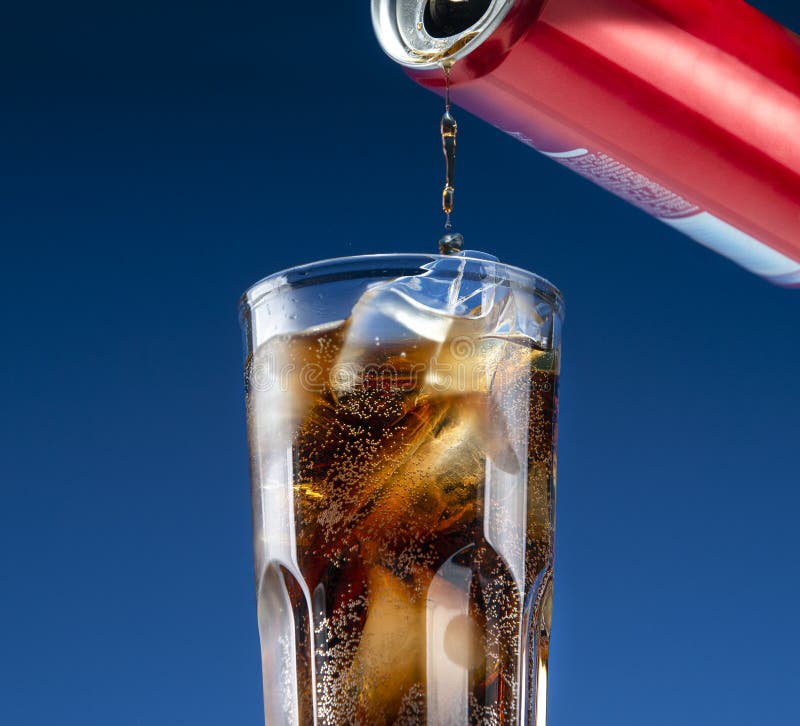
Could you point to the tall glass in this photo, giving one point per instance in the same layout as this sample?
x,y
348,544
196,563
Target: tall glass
x,y
402,427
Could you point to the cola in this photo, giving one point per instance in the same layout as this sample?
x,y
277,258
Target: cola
x,y
410,556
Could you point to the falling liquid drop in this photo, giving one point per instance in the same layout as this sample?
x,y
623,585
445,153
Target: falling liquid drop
x,y
451,244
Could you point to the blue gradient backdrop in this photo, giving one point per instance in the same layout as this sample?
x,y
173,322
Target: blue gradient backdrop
x,y
156,158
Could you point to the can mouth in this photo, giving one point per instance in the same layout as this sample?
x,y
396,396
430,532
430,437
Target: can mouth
x,y
427,33
444,18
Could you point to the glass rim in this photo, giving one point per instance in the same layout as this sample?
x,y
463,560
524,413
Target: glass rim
x,y
360,265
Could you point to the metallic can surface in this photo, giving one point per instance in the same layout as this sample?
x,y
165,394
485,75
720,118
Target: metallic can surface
x,y
688,109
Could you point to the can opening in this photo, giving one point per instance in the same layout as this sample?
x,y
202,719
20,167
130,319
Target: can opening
x,y
424,33
444,18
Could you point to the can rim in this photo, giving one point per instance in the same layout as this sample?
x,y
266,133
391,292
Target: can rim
x,y
400,28
391,264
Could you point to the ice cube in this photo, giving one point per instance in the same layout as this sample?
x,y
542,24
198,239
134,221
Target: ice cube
x,y
438,315
416,642
390,659
285,378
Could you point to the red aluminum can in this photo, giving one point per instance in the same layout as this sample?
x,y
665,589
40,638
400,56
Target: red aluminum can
x,y
688,109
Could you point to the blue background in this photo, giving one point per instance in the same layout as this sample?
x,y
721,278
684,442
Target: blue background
x,y
156,159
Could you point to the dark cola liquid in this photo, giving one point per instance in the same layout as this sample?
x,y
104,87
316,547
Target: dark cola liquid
x,y
422,499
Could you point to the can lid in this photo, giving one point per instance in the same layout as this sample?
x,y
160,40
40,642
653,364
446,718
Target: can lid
x,y
426,33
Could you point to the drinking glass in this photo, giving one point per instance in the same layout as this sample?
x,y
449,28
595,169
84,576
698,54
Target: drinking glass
x,y
402,429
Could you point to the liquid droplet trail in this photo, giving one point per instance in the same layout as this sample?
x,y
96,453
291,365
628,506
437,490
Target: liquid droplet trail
x,y
449,130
